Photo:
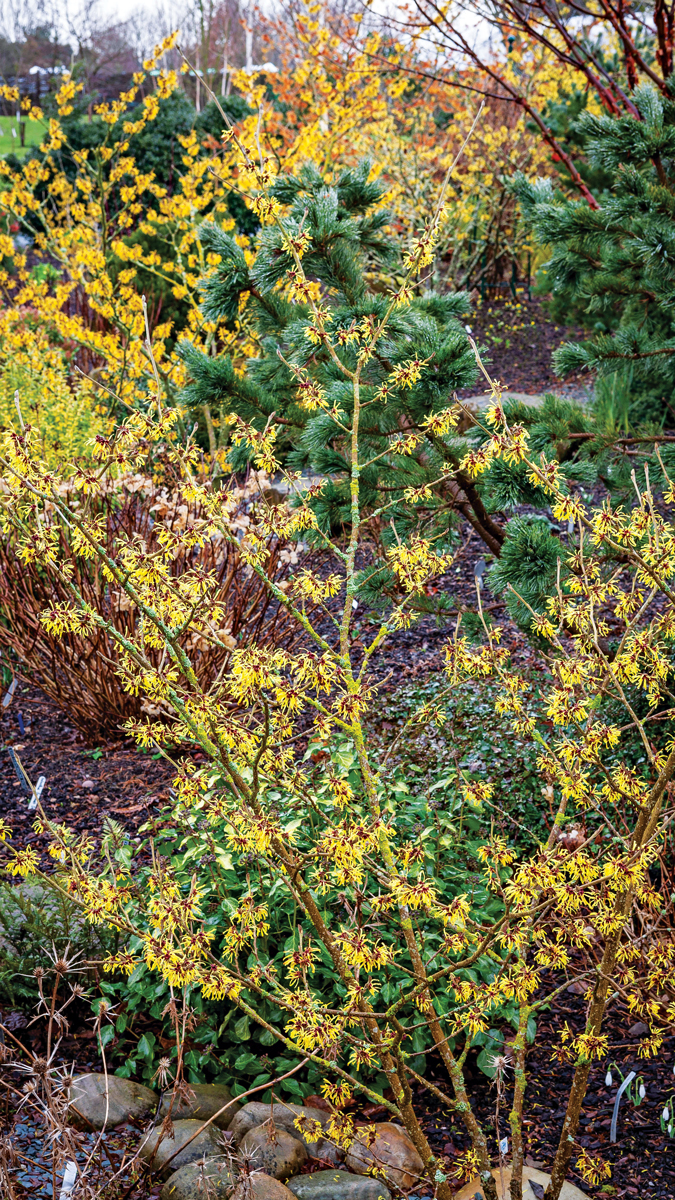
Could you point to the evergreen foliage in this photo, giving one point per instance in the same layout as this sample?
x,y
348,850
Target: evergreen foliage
x,y
351,253
617,261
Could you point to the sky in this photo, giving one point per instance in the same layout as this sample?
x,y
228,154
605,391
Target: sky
x,y
154,18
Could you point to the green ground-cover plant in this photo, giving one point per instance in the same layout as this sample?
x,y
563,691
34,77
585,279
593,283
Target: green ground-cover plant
x,y
36,921
225,1045
435,761
301,825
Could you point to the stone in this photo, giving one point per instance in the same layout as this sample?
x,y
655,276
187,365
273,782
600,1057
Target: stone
x,y
207,1143
190,1181
208,1098
284,1116
282,1113
126,1101
337,1185
639,1029
530,1175
260,1187
392,1150
578,988
273,1150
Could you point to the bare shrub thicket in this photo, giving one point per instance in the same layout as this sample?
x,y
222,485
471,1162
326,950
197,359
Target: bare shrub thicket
x,y
79,671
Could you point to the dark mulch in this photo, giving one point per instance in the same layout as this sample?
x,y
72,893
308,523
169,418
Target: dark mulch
x,y
643,1157
83,783
519,338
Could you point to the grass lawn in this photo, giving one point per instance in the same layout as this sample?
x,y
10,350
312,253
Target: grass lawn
x,y
35,132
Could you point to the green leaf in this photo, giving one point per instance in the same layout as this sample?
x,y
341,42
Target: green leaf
x,y
242,1029
246,1062
106,1035
485,1061
226,1020
146,1046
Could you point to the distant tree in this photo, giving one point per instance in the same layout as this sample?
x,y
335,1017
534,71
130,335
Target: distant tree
x,y
31,54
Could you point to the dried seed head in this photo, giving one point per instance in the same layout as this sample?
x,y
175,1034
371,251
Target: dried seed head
x,y
162,1074
500,1064
170,1009
63,962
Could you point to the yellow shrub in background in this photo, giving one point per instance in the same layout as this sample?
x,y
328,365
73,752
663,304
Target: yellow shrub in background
x,y
341,96
66,419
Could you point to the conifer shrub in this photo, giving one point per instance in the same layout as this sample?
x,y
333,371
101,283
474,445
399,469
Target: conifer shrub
x,y
614,259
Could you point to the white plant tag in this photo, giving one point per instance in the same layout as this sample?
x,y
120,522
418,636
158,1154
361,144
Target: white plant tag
x,y
69,1177
39,788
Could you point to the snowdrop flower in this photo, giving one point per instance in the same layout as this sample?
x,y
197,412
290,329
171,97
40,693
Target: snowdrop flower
x,y
608,1078
643,1091
666,1113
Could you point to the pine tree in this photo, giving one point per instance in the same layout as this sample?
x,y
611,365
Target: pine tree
x,y
617,261
355,260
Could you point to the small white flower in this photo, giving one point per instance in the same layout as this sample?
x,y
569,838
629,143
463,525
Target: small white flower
x,y
468,328
608,1079
643,1091
666,1113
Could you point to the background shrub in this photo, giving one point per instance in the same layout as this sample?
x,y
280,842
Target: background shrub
x,y
77,671
66,418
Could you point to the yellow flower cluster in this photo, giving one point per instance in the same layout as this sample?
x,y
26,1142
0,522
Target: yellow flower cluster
x,y
35,389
